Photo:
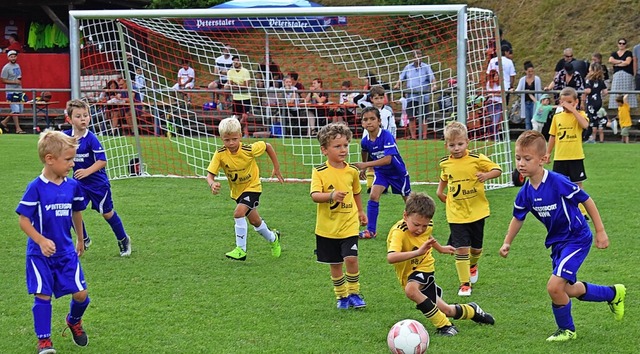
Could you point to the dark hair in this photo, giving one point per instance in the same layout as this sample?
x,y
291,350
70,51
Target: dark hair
x,y
528,64
346,83
294,75
420,204
376,90
568,67
505,49
15,36
235,57
319,80
597,55
370,109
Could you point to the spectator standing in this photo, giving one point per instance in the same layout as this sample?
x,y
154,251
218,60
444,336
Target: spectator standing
x,y
238,82
494,102
508,69
636,72
594,89
420,82
623,76
529,82
566,58
597,58
274,77
140,83
315,97
11,76
567,77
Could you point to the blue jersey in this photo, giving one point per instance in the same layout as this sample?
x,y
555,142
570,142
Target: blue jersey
x,y
555,204
89,151
384,145
49,207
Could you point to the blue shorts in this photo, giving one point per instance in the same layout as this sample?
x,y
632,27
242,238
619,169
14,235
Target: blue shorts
x,y
567,258
59,276
399,184
100,199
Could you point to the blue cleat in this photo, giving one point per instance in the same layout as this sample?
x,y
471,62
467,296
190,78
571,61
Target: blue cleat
x,y
356,301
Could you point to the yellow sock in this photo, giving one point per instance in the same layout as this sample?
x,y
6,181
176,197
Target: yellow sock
x,y
340,286
431,311
473,258
353,283
462,266
467,312
370,175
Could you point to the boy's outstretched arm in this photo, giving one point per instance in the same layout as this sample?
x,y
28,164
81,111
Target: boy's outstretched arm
x,y
485,176
602,239
448,249
514,227
396,257
550,144
47,247
381,162
276,165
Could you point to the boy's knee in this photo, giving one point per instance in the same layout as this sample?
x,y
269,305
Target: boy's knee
x,y
80,296
108,215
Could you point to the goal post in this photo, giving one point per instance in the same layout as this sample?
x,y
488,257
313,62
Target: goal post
x,y
171,132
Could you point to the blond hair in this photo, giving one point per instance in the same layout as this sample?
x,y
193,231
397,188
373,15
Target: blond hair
x,y
75,104
569,92
420,204
455,130
534,140
229,125
54,143
331,131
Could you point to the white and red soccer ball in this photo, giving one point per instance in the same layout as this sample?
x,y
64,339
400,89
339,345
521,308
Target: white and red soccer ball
x,y
408,337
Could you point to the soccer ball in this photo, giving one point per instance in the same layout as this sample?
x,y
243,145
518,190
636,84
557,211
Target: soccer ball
x,y
408,337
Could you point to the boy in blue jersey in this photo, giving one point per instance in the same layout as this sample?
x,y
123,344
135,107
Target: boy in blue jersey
x,y
89,171
553,199
50,206
379,150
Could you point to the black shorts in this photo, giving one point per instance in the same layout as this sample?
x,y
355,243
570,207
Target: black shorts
x,y
335,250
467,235
574,169
250,199
599,122
637,82
428,286
241,107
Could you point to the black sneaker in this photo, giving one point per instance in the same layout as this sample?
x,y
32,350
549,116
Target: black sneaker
x,y
125,247
78,334
481,316
447,331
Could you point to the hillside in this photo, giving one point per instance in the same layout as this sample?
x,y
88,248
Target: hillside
x,y
540,29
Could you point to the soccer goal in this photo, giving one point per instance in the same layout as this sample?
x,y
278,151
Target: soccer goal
x,y
173,132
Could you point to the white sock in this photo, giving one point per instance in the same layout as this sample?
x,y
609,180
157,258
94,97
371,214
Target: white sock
x,y
241,233
265,232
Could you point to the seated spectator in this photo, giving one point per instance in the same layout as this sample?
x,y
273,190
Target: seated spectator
x,y
346,114
275,75
316,97
114,99
223,64
294,78
186,79
12,43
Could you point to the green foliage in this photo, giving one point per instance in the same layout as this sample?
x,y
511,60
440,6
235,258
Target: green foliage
x,y
178,294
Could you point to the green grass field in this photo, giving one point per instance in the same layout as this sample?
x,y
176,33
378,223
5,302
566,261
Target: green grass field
x,y
177,293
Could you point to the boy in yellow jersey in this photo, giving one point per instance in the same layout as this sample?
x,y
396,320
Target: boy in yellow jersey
x,y
409,249
238,161
565,134
624,114
463,175
335,187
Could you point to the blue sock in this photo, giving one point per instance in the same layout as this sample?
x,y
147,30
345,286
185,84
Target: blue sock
x,y
372,215
117,227
76,310
597,293
42,317
562,314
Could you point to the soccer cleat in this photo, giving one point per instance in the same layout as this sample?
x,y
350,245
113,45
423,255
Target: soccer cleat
x,y
447,331
77,333
473,270
356,301
343,303
367,234
465,290
617,304
125,247
275,245
87,243
562,335
481,316
237,254
45,346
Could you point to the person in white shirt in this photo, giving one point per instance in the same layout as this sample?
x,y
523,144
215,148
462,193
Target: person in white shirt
x,y
186,79
508,69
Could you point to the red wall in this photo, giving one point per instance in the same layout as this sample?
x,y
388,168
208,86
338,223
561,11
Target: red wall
x,y
46,71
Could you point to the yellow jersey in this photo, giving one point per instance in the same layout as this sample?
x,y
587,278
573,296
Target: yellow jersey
x,y
624,114
337,220
240,167
401,240
466,198
568,133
